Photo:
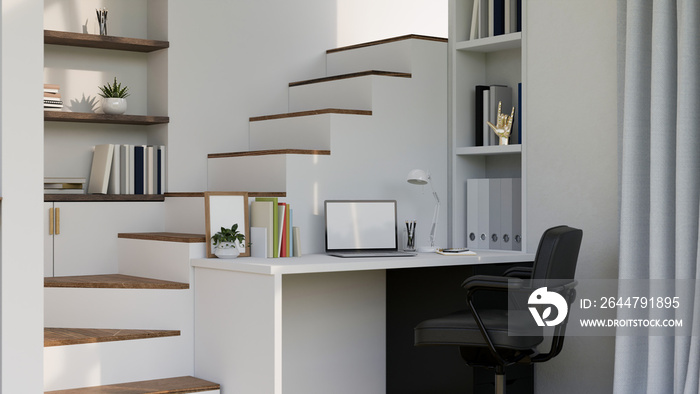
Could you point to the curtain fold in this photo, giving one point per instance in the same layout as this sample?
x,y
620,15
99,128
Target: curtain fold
x,y
659,181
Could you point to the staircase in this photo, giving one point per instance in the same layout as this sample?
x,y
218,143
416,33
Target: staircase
x,y
380,111
130,332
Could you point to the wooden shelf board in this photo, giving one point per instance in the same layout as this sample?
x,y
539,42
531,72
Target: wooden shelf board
x,y
250,194
103,197
103,42
491,44
388,40
489,150
312,113
113,281
270,152
165,237
75,336
352,75
83,117
182,384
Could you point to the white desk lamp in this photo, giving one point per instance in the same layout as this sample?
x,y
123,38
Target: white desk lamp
x,y
420,177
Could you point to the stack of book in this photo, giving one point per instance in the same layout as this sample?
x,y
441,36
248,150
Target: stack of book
x,y
52,98
68,185
127,169
282,238
495,17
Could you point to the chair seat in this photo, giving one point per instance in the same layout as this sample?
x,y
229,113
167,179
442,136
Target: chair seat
x,y
460,329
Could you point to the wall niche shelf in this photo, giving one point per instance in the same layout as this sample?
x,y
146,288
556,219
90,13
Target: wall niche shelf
x,y
489,150
102,197
83,117
491,44
54,37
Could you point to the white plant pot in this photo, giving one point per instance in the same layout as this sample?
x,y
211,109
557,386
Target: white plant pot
x,y
226,250
113,105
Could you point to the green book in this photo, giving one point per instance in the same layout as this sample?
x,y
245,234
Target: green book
x,y
275,223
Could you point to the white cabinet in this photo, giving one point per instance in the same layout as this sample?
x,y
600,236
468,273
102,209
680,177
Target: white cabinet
x,y
82,237
495,60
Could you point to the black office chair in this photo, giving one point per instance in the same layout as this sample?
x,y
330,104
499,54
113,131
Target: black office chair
x,y
482,335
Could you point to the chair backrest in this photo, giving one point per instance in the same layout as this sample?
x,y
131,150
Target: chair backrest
x,y
557,253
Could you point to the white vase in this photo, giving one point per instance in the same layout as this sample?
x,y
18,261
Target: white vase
x,y
226,250
113,105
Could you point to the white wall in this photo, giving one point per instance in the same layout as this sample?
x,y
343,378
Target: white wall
x,y
368,20
571,160
21,270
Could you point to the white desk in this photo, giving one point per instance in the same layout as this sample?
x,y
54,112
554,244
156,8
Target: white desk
x,y
314,324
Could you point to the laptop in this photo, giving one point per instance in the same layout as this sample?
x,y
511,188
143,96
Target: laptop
x,y
362,228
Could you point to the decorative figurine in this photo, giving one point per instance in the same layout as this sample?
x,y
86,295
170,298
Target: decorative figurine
x,y
102,20
503,125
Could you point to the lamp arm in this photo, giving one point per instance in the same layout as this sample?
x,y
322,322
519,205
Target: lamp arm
x,y
436,212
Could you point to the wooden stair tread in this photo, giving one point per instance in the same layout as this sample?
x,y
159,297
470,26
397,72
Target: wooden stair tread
x,y
112,281
103,42
270,152
178,385
352,75
165,236
312,113
54,336
388,40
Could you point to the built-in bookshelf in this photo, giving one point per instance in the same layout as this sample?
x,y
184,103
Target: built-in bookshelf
x,y
478,59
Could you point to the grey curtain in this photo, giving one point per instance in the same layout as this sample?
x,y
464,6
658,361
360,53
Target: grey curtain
x,y
659,122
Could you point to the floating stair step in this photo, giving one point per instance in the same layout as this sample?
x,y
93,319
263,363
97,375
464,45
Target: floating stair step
x,y
264,170
75,336
165,236
179,385
112,281
390,54
351,90
310,130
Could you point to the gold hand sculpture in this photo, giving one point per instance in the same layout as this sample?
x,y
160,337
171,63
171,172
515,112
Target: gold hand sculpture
x,y
503,125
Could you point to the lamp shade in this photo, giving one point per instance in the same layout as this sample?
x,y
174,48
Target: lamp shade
x,y
418,177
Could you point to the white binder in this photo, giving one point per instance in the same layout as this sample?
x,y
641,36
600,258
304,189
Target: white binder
x,y
516,243
507,213
472,213
494,213
484,214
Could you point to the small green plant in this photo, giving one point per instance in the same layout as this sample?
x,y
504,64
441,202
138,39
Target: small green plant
x,y
228,235
114,90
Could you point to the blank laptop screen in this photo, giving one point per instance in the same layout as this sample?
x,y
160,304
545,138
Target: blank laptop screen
x,y
360,225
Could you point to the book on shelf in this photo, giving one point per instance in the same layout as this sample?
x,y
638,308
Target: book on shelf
x,y
274,238
52,98
261,215
51,88
277,217
100,169
132,169
479,115
519,121
489,18
64,185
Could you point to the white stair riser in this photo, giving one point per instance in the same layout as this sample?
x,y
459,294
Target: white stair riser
x,y
392,56
265,173
106,363
119,308
184,215
349,93
301,132
158,259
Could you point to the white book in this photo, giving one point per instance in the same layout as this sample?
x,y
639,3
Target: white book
x,y
262,215
100,169
150,170
297,242
124,162
509,7
491,16
258,239
161,175
280,218
132,174
487,112
115,175
474,33
483,18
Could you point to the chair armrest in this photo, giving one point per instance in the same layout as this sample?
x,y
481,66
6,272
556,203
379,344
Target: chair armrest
x,y
519,272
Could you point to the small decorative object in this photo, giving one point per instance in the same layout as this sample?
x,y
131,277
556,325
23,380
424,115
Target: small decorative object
x,y
503,125
220,210
102,20
114,98
226,242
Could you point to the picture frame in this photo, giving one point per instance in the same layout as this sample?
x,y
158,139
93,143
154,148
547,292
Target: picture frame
x,y
224,209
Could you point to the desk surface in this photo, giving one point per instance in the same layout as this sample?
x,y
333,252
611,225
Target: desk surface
x,y
315,263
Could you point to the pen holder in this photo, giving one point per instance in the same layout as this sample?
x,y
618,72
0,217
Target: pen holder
x,y
409,236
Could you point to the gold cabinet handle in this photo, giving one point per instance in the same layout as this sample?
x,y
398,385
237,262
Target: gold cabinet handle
x,y
50,221
58,221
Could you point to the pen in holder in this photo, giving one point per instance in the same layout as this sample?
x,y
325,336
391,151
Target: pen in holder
x,y
410,236
102,20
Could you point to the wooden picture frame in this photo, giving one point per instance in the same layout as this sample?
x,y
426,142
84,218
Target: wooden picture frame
x,y
224,209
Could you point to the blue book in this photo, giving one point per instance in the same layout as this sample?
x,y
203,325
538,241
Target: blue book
x,y
159,172
139,169
499,17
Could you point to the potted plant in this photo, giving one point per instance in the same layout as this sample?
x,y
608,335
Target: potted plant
x,y
114,98
226,242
